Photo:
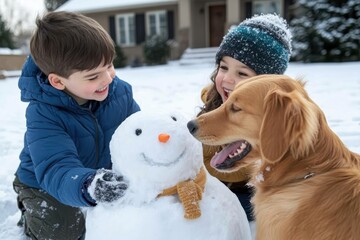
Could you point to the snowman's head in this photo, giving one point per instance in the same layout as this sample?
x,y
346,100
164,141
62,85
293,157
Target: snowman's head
x,y
155,150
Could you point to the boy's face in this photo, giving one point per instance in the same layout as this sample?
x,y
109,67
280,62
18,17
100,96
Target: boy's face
x,y
89,84
230,72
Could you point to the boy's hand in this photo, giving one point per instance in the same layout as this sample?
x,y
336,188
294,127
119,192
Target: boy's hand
x,y
107,186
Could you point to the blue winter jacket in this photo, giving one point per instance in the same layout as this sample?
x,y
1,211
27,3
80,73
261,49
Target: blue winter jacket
x,y
65,143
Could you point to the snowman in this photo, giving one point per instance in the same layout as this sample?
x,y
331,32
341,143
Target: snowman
x,y
170,195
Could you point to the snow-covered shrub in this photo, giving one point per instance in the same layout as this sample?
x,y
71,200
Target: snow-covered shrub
x,y
156,50
120,58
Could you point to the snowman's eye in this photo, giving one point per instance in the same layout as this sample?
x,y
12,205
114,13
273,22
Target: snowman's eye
x,y
138,131
174,118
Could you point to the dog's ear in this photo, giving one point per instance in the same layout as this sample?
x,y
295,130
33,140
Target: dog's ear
x,y
290,123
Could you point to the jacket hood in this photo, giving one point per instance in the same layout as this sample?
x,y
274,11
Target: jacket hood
x,y
34,85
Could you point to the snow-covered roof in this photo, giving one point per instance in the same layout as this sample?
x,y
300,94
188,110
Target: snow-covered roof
x,y
88,6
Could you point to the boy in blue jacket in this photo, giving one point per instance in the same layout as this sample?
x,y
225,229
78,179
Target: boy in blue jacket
x,y
75,104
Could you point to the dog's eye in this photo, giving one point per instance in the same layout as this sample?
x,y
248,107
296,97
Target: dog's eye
x,y
174,118
138,131
235,108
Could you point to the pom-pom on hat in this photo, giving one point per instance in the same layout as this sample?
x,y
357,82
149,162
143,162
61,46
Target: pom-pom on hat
x,y
262,42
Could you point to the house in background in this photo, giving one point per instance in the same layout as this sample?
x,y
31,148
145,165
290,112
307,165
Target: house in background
x,y
188,24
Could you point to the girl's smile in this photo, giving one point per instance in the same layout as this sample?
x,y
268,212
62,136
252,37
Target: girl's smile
x,y
230,72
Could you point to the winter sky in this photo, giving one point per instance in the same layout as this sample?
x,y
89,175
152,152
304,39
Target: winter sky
x,y
25,10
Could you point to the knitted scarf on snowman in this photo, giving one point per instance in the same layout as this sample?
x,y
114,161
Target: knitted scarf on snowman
x,y
190,193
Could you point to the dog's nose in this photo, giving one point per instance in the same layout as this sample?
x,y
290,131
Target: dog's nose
x,y
192,126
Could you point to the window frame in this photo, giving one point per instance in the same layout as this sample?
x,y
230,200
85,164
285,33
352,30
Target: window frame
x,y
158,26
266,6
126,17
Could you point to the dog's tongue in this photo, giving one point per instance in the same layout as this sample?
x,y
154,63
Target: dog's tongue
x,y
221,156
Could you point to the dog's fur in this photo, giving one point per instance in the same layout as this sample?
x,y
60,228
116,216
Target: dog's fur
x,y
307,185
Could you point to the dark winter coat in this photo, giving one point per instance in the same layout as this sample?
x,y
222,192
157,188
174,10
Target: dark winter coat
x,y
65,143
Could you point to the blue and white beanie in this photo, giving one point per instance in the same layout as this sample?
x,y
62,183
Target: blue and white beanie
x,y
262,42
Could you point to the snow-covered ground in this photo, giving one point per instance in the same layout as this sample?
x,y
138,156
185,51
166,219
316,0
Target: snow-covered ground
x,y
335,87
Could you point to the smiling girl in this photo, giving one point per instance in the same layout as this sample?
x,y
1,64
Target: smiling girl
x,y
259,45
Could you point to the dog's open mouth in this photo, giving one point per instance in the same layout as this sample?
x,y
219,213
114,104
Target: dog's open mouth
x,y
230,154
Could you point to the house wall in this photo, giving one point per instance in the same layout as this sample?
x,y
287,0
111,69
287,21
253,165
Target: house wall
x,y
135,53
236,11
199,16
11,61
184,18
232,13
191,22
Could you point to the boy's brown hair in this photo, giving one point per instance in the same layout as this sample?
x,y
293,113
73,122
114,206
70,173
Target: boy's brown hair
x,y
66,42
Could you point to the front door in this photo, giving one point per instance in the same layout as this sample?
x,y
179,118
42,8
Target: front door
x,y
217,20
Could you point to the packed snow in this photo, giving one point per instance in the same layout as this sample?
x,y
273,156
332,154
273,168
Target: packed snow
x,y
170,195
335,87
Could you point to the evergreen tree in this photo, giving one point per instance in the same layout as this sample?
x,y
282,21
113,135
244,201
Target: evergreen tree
x,y
6,36
326,30
120,58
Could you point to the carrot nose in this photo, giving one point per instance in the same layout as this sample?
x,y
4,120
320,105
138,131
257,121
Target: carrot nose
x,y
163,137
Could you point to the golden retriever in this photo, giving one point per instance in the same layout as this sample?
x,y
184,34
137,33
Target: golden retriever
x,y
307,183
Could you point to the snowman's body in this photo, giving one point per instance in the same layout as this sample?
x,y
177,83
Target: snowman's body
x,y
152,164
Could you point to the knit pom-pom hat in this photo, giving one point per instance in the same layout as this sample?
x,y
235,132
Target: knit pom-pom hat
x,y
262,42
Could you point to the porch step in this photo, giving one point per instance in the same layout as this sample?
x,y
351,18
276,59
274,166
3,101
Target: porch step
x,y
198,56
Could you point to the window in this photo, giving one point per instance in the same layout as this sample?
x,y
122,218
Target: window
x,y
157,24
125,29
266,7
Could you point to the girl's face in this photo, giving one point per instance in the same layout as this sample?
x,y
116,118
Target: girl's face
x,y
231,71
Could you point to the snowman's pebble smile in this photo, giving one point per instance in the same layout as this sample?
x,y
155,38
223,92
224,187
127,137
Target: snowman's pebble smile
x,y
151,162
